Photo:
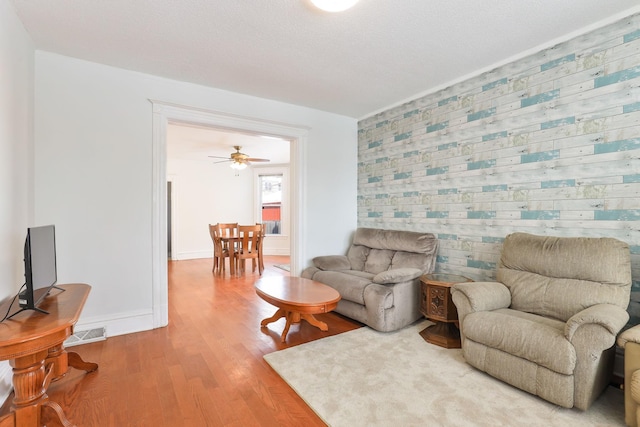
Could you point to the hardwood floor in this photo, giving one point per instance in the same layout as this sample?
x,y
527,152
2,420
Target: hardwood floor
x,y
204,369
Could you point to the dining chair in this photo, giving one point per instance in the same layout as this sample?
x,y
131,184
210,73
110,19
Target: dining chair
x,y
248,247
260,245
223,245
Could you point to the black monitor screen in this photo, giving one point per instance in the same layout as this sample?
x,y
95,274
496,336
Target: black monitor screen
x,y
42,256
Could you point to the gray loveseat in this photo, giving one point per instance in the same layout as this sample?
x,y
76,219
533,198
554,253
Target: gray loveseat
x,y
378,279
548,325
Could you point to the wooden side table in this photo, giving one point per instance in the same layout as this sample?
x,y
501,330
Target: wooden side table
x,y
33,343
437,306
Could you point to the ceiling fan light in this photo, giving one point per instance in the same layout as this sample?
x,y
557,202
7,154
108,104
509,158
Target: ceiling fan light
x,y
334,5
238,165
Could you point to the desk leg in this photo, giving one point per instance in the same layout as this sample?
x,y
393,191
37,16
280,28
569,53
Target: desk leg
x,y
32,375
75,361
29,376
30,381
62,359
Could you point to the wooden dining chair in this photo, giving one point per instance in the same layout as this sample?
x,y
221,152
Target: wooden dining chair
x,y
222,246
260,245
248,247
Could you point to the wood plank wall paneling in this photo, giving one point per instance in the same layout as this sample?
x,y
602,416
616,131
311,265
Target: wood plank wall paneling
x,y
549,144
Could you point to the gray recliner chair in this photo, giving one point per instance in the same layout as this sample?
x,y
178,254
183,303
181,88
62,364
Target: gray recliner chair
x,y
549,324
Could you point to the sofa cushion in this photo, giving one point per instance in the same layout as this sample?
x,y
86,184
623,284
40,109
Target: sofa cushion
x,y
396,275
378,260
350,284
332,262
402,259
528,336
396,240
558,277
357,256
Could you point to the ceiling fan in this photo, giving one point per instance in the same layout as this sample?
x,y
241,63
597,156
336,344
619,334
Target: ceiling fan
x,y
239,160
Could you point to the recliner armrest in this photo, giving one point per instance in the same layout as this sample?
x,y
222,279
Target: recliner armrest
x,y
482,296
609,316
332,262
630,335
308,272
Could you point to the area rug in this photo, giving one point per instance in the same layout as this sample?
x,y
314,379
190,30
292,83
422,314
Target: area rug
x,y
369,378
286,267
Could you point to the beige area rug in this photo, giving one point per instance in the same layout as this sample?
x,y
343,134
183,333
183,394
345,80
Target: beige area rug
x,y
369,378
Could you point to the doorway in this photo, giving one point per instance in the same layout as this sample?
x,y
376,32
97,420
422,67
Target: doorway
x,y
169,219
163,114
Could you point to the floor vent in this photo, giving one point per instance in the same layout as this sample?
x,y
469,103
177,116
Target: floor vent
x,y
84,337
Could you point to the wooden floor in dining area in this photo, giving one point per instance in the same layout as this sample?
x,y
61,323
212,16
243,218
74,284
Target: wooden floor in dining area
x,y
204,369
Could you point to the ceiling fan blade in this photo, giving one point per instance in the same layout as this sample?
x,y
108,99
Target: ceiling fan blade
x,y
218,157
251,159
222,161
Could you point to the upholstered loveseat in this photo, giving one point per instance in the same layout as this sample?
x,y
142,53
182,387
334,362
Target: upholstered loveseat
x,y
549,323
378,279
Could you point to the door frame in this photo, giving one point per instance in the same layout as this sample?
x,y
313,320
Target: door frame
x,y
165,113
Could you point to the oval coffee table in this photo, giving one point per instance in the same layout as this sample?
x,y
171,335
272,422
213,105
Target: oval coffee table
x,y
296,299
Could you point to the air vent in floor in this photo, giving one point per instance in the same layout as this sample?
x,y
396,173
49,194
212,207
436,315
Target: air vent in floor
x,y
84,337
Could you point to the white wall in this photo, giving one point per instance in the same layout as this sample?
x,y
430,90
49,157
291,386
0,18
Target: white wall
x,y
16,145
204,193
93,176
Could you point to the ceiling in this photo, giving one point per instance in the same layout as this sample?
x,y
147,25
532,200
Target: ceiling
x,y
378,54
356,63
198,143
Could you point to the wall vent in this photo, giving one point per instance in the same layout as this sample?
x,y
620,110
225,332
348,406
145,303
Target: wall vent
x,y
84,337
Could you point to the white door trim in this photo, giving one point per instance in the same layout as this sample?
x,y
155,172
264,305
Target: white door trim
x,y
165,113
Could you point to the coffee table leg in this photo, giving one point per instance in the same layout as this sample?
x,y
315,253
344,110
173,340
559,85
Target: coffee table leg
x,y
277,315
293,317
315,322
290,319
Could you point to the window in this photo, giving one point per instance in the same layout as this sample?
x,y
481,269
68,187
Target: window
x,y
271,202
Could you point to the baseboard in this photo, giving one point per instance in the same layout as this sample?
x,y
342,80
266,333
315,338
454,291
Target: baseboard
x,y
278,252
120,324
180,256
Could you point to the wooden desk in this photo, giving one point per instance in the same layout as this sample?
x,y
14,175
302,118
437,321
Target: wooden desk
x,y
33,343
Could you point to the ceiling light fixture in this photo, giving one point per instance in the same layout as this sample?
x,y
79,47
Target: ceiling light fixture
x,y
238,165
334,5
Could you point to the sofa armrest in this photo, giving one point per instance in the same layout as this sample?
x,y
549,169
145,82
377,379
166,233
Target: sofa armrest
x,y
396,275
630,335
332,262
609,316
308,272
481,296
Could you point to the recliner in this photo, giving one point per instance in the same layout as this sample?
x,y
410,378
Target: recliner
x,y
549,323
